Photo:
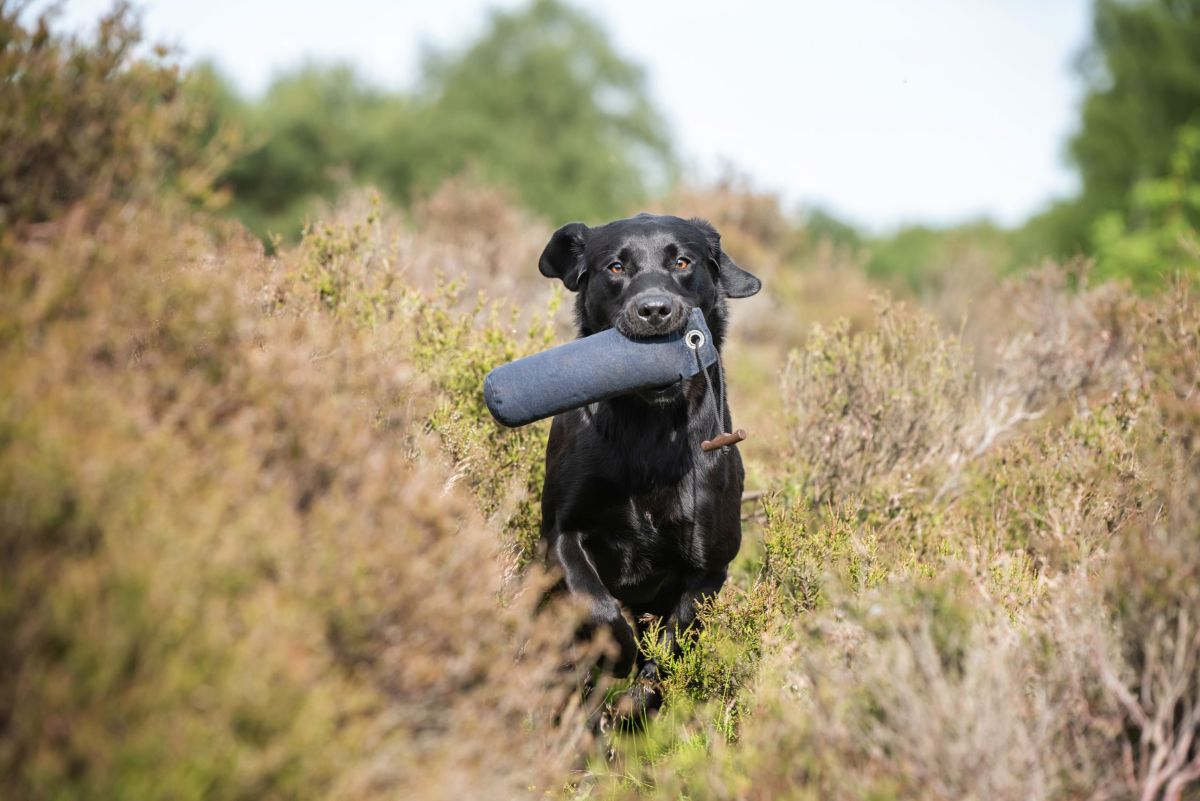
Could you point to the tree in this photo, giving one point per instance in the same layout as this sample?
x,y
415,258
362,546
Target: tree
x,y
312,134
1165,240
1142,72
543,103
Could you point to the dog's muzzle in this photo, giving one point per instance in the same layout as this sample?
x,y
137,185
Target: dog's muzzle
x,y
650,314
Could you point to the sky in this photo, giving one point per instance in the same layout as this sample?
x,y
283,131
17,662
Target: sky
x,y
885,112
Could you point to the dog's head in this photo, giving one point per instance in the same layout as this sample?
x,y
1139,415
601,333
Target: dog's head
x,y
644,275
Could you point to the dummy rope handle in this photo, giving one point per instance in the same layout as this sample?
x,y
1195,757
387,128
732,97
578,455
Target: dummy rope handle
x,y
695,341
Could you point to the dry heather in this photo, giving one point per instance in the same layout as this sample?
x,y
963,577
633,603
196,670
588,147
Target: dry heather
x,y
239,556
938,614
235,562
889,402
249,502
82,117
260,538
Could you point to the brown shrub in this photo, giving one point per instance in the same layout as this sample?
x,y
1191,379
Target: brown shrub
x,y
1031,634
926,690
1062,344
905,398
91,119
233,562
1170,344
753,225
1152,595
490,244
865,406
257,531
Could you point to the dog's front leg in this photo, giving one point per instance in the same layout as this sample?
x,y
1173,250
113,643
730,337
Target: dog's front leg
x,y
604,610
683,616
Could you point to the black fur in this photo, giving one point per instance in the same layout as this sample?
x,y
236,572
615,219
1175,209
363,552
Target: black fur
x,y
638,517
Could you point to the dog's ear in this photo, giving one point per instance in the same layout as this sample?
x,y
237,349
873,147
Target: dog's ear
x,y
563,256
736,282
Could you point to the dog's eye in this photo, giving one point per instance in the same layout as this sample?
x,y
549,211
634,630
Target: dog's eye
x,y
682,264
616,267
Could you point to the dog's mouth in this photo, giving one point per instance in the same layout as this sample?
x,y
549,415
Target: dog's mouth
x,y
662,396
649,336
635,329
641,331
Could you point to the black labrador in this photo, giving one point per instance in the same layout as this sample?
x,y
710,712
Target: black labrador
x,y
636,514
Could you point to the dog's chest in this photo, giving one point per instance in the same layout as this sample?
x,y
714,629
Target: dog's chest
x,y
665,528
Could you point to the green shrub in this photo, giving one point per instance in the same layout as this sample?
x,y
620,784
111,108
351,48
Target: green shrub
x,y
505,467
1061,492
808,548
1159,237
356,272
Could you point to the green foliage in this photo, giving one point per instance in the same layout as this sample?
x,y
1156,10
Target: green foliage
x,y
705,676
924,259
820,225
809,549
1143,78
1160,237
1058,495
348,268
1060,230
314,133
541,103
505,467
905,255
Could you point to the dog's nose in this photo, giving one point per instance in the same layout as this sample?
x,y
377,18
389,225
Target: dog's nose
x,y
654,309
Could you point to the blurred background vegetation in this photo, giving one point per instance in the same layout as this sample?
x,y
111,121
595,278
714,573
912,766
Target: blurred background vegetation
x,y
260,539
543,105
540,103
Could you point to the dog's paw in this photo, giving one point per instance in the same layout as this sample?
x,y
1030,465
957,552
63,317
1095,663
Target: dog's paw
x,y
649,674
637,705
647,690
